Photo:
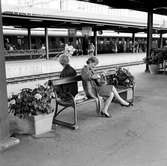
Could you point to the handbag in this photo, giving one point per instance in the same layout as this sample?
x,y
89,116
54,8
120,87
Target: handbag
x,y
125,78
102,80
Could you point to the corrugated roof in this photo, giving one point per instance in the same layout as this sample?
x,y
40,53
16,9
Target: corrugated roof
x,y
36,17
158,6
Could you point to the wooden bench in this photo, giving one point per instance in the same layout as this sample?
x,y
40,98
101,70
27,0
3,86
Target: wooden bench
x,y
126,93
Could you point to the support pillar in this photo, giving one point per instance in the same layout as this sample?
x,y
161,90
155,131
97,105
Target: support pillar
x,y
29,38
161,41
46,43
5,140
29,41
95,42
149,35
133,42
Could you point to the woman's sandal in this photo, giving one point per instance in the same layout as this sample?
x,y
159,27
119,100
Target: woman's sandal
x,y
105,115
129,104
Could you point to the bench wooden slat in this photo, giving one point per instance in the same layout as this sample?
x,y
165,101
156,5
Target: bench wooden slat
x,y
57,82
84,101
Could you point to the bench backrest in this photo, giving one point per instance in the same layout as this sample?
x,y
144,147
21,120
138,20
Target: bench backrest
x,y
57,82
67,80
76,79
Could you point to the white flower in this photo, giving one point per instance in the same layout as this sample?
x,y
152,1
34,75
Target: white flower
x,y
9,96
38,96
19,96
127,81
13,101
46,85
52,95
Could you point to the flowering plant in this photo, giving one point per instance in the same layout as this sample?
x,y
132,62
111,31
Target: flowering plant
x,y
151,60
31,102
156,57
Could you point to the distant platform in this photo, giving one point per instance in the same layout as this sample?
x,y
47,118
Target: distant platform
x,y
41,66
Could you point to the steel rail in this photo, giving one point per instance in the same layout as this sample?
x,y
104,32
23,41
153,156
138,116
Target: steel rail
x,y
55,75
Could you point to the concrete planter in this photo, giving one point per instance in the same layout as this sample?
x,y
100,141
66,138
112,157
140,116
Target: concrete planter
x,y
41,123
34,125
153,68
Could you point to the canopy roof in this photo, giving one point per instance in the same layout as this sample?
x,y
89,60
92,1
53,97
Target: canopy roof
x,y
24,20
158,6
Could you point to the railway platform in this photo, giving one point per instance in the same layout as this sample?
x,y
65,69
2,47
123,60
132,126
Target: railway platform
x,y
41,66
35,67
134,136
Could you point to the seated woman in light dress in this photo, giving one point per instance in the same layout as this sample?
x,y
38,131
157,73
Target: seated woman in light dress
x,y
92,89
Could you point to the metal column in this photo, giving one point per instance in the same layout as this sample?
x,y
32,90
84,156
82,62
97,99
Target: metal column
x,y
133,42
95,41
160,40
29,38
5,140
46,43
149,35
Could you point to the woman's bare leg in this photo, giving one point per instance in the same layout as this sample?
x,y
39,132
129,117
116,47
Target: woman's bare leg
x,y
107,103
117,96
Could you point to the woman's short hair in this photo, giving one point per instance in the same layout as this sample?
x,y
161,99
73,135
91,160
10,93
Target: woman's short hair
x,y
64,59
92,59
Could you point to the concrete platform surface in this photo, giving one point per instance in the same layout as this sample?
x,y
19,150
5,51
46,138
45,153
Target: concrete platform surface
x,y
40,66
32,67
134,136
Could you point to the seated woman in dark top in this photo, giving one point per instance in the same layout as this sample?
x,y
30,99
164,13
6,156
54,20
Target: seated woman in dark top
x,y
68,71
89,77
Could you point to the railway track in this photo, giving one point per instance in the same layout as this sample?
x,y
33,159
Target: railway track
x,y
55,75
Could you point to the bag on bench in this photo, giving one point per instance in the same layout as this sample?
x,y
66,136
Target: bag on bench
x,y
124,77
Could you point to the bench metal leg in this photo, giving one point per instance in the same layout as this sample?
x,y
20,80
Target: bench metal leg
x,y
133,95
66,124
75,116
73,125
164,66
130,94
56,111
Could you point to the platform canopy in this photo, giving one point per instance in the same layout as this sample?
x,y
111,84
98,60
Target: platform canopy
x,y
24,20
27,20
158,6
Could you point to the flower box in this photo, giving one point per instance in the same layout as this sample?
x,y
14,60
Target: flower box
x,y
34,125
154,68
41,123
32,110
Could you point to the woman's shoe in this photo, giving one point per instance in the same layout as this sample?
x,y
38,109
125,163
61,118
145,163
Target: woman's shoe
x,y
129,104
105,115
